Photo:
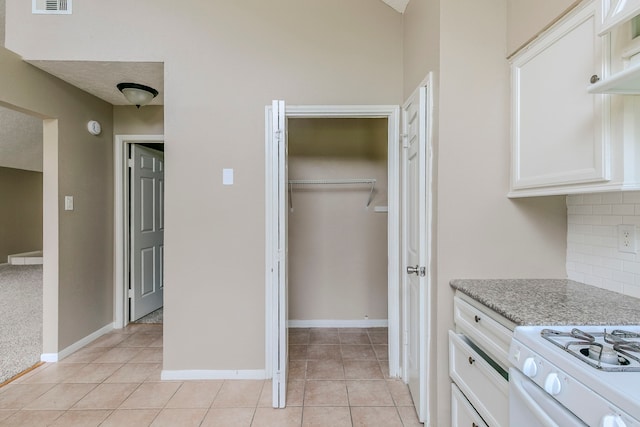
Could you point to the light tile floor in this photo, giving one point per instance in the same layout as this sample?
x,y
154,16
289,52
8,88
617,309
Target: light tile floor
x,y
338,377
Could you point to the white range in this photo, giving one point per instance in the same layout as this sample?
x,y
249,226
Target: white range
x,y
575,376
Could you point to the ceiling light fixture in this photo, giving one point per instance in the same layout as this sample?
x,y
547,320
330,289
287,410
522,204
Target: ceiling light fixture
x,y
137,94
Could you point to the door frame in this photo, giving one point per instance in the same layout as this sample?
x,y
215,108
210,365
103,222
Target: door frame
x,y
121,224
392,114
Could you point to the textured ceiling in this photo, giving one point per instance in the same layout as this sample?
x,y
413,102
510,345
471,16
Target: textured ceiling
x,y
20,140
100,78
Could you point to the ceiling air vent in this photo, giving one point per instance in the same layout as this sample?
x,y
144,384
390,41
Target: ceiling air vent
x,y
53,7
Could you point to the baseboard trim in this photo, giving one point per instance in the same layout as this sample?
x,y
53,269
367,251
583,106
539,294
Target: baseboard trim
x,y
198,374
364,323
55,357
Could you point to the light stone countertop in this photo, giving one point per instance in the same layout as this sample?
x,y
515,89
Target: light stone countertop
x,y
552,302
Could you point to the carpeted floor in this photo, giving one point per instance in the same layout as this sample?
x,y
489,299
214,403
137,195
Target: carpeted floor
x,y
20,318
153,317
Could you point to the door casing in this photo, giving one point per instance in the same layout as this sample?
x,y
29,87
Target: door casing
x,y
121,228
392,114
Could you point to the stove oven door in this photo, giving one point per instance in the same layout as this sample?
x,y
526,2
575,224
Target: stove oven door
x,y
531,406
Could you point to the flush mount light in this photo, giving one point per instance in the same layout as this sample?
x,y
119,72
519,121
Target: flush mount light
x,y
137,94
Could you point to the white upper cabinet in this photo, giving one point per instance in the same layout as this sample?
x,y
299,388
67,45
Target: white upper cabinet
x,y
560,132
567,137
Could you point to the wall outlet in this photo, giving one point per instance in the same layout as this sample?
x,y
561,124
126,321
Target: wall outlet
x,y
627,238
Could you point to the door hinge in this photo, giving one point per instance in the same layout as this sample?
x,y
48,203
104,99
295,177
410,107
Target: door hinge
x,y
130,163
130,293
405,140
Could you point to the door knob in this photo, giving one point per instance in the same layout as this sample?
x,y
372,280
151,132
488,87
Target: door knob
x,y
413,270
418,271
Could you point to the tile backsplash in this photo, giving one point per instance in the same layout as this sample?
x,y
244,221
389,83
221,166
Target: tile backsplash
x,y
592,240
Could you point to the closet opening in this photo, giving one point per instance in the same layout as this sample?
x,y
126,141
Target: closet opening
x,y
338,248
322,269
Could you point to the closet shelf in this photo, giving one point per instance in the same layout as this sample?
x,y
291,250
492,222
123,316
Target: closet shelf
x,y
368,181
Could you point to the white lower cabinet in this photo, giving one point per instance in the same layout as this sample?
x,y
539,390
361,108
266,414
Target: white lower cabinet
x,y
462,412
478,367
481,383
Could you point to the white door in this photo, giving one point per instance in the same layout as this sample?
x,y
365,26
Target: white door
x,y
280,149
146,230
416,208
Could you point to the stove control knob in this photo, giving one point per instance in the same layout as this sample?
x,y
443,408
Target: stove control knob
x,y
612,421
552,384
529,367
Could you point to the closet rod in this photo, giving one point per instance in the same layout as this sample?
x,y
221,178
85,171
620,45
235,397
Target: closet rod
x,y
370,181
332,181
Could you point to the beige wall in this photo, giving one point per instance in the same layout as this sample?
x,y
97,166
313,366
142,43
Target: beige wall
x,y
421,44
526,18
78,293
147,120
331,276
480,233
248,53
20,212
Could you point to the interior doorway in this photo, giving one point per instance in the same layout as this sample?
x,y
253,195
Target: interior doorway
x,y
277,118
21,241
124,291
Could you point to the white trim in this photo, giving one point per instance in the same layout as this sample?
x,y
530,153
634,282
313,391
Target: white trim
x,y
54,357
200,374
392,114
360,323
121,206
26,258
49,357
269,247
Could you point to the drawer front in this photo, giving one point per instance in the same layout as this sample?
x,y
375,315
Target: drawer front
x,y
486,333
483,386
462,413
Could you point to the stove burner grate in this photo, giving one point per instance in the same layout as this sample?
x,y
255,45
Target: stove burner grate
x,y
589,347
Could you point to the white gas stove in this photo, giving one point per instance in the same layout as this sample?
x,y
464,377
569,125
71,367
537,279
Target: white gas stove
x,y
586,375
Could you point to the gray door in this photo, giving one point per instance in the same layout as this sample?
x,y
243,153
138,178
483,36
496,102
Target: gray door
x,y
146,231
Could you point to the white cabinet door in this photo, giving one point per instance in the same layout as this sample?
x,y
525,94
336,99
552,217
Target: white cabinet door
x,y
558,137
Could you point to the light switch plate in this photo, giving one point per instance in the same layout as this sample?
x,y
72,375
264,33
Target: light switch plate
x,y
68,203
227,176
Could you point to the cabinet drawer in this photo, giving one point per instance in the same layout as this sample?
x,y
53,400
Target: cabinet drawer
x,y
462,413
483,386
486,333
